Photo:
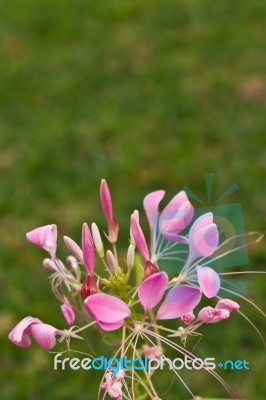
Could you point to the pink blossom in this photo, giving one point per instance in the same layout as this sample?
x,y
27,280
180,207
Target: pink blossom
x,y
43,334
45,237
74,248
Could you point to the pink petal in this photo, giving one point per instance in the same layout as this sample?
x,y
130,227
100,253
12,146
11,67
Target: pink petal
x,y
44,335
151,290
151,203
139,238
74,248
180,300
203,237
88,249
210,315
106,308
177,215
111,326
68,312
227,304
209,281
45,237
20,333
106,200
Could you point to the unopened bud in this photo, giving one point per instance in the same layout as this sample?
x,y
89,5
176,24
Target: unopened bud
x,y
89,287
49,264
74,248
97,240
188,318
112,263
132,239
130,256
149,269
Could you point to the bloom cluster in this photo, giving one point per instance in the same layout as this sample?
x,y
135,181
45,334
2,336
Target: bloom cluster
x,y
133,295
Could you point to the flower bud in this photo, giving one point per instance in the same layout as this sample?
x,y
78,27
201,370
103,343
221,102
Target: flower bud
x,y
210,315
149,269
132,239
89,287
130,256
188,318
97,240
49,264
74,248
227,304
112,263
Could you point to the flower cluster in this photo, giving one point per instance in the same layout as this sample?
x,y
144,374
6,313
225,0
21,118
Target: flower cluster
x,y
133,296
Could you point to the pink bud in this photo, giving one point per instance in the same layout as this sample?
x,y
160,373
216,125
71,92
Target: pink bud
x,y
107,208
210,315
89,287
227,304
106,200
88,249
68,312
45,237
74,248
130,256
49,264
97,240
112,263
149,269
139,238
188,318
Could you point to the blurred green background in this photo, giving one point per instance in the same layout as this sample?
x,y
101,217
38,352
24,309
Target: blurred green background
x,y
148,94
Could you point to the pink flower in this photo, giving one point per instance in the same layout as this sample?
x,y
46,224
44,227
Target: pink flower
x,y
109,311
43,334
210,315
203,237
227,304
107,208
88,249
139,238
68,312
45,237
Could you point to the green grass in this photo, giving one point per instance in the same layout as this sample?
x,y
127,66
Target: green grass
x,y
148,95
